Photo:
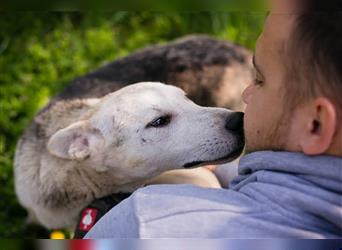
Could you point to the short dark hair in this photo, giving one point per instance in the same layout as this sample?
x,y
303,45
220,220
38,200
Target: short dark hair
x,y
314,53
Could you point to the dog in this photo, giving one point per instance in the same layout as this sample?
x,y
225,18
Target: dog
x,y
103,134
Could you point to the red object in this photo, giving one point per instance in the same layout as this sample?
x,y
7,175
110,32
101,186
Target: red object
x,y
81,245
88,219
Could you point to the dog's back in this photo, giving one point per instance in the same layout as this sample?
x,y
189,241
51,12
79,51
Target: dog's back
x,y
212,72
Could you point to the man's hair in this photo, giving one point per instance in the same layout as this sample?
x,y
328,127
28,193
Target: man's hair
x,y
314,61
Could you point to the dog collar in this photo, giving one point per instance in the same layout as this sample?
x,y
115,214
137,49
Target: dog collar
x,y
92,213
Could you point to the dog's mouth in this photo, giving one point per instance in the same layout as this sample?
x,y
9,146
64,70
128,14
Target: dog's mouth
x,y
231,156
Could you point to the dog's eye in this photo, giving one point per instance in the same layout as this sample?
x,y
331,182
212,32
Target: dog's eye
x,y
160,122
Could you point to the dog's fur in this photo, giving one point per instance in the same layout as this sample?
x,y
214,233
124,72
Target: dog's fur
x,y
212,72
86,143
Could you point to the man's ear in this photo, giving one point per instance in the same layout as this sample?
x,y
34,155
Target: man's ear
x,y
321,127
75,142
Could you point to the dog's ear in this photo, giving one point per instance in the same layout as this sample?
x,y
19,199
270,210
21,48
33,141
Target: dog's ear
x,y
75,142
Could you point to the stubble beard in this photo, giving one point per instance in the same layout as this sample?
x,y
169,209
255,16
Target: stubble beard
x,y
273,138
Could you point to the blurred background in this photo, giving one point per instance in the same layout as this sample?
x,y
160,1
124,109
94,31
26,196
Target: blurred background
x,y
41,52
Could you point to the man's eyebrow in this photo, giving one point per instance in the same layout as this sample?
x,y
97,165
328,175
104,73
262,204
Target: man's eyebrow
x,y
255,65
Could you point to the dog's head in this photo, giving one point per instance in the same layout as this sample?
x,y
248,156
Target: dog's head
x,y
147,128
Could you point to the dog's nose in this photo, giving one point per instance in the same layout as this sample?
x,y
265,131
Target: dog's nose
x,y
234,122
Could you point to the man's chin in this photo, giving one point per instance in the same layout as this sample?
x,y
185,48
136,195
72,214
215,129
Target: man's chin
x,y
251,148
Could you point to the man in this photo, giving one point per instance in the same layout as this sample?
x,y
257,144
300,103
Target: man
x,y
294,108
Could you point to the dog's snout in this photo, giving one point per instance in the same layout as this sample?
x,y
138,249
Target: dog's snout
x,y
234,122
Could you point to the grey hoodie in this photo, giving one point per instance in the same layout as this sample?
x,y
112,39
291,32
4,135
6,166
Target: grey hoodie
x,y
276,195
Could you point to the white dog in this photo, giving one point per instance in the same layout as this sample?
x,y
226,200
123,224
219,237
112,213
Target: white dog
x,y
80,150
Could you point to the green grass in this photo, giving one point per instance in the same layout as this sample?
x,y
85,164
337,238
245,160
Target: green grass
x,y
41,52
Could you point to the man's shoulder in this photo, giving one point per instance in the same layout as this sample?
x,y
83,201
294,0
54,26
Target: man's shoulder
x,y
190,211
180,191
165,200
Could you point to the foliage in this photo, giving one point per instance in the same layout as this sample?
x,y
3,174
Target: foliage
x,y
41,52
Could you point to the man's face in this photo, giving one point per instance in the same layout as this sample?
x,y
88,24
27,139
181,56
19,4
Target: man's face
x,y
266,115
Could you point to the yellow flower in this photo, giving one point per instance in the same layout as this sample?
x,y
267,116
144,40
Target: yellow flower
x,y
57,235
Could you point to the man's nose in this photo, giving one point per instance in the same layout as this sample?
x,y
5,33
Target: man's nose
x,y
246,94
234,122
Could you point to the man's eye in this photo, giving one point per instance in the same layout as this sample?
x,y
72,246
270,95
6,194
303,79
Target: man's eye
x,y
160,122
